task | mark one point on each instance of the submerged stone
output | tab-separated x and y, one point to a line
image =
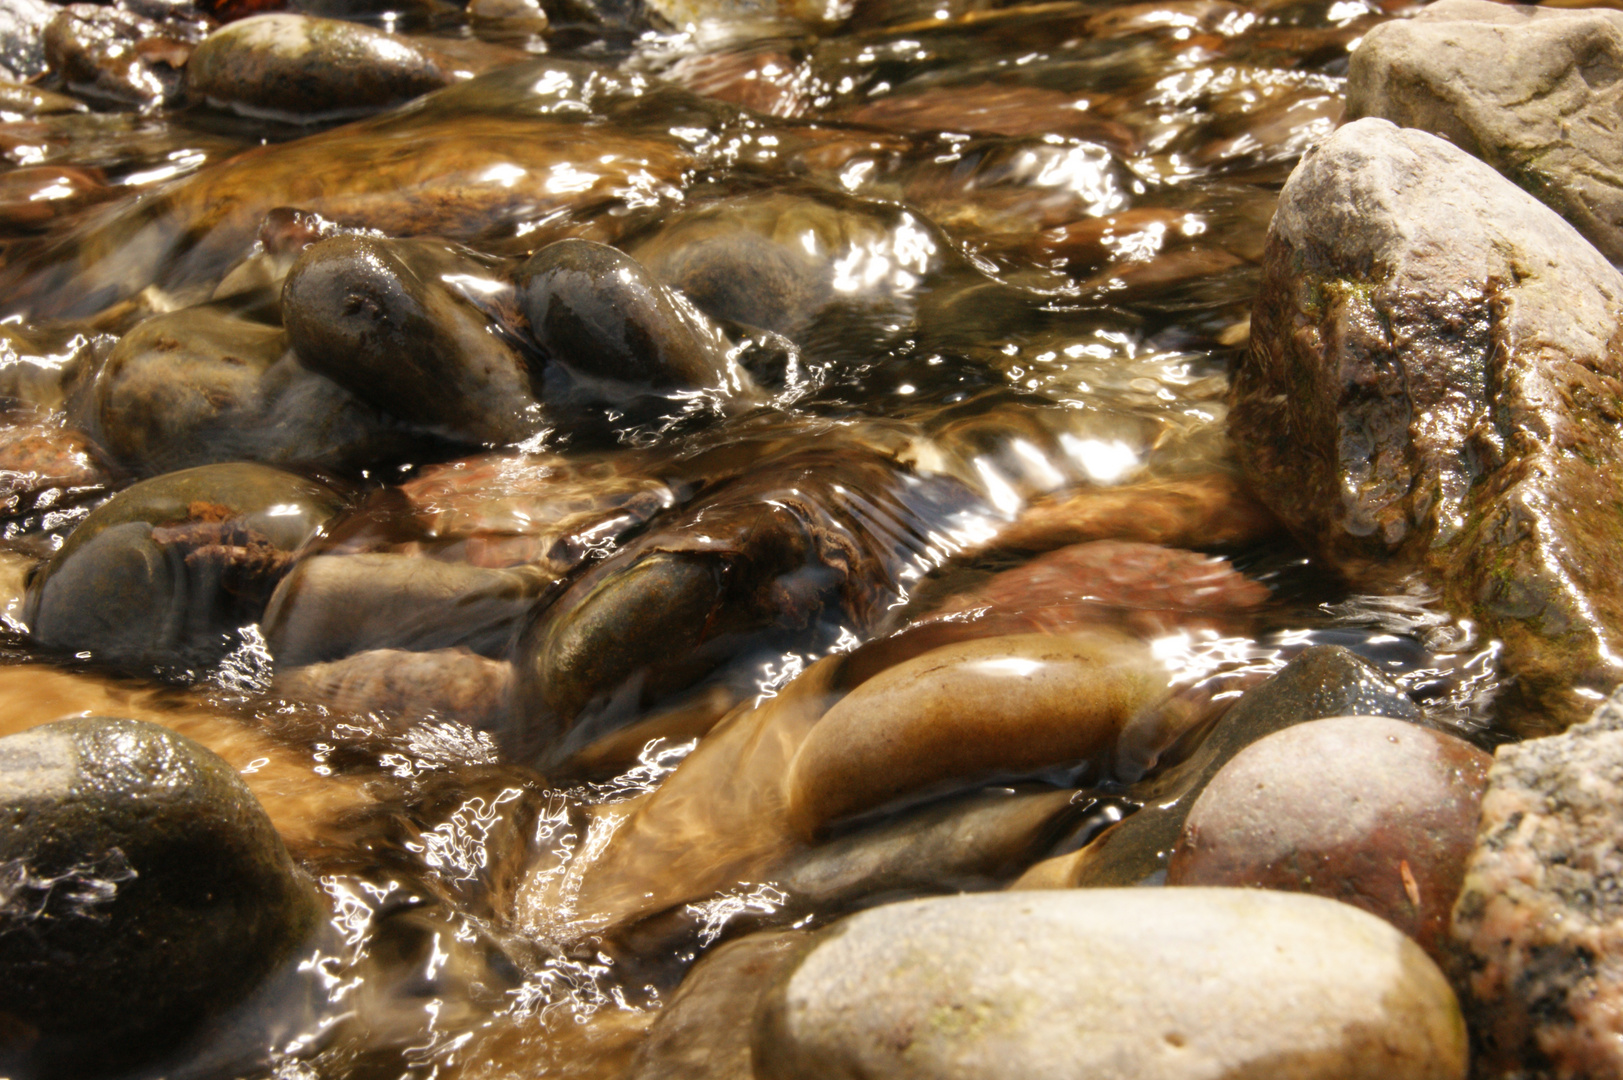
145	893
295	66
206	384
1173	984
377	317
1433	385
164	570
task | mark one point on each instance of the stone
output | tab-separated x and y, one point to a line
964	844
974	711
1323	681
457	684
598	313
1534	92
142	892
777	560
332	606
1149	984
1374	812
44	465
165	570
22	98
799	266
1537	924
285	66
118	56
378	318
22	30
703	1031
206	384
1433	386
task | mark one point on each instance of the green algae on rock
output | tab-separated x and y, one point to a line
1434	386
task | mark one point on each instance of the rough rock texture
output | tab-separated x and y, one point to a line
1148	984
1434	384
1534	92
142	890
1540	920
1377	813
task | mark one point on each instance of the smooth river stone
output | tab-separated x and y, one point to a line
1539	923
975	710
1432	389
1174	984
145	891
1325	680
287	66
406	685
1377	813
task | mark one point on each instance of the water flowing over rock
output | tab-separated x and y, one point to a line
144	891
1434	385
1534	92
1155	985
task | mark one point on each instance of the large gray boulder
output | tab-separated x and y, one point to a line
1433	387
1534	92
1142	983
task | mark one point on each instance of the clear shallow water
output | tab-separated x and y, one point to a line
1011	252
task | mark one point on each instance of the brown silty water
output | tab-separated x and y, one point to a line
542	704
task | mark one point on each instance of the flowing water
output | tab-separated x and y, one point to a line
970	265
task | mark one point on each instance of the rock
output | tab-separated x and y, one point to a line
206	384
377	317
1150	984
22	36
1531	91
145	892
118	56
21	98
1538	922
976	711
703	1032
1325	680
452	683
617	331
964	844
799	266
501	509
44	465
40	197
1377	813
1009	111
779	559
332	606
1431	387
306	69
164	570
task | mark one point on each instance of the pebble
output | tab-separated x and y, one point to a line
456	684
146	892
164	570
286	66
1377	813
1173	984
974	711
376	317
1323	681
